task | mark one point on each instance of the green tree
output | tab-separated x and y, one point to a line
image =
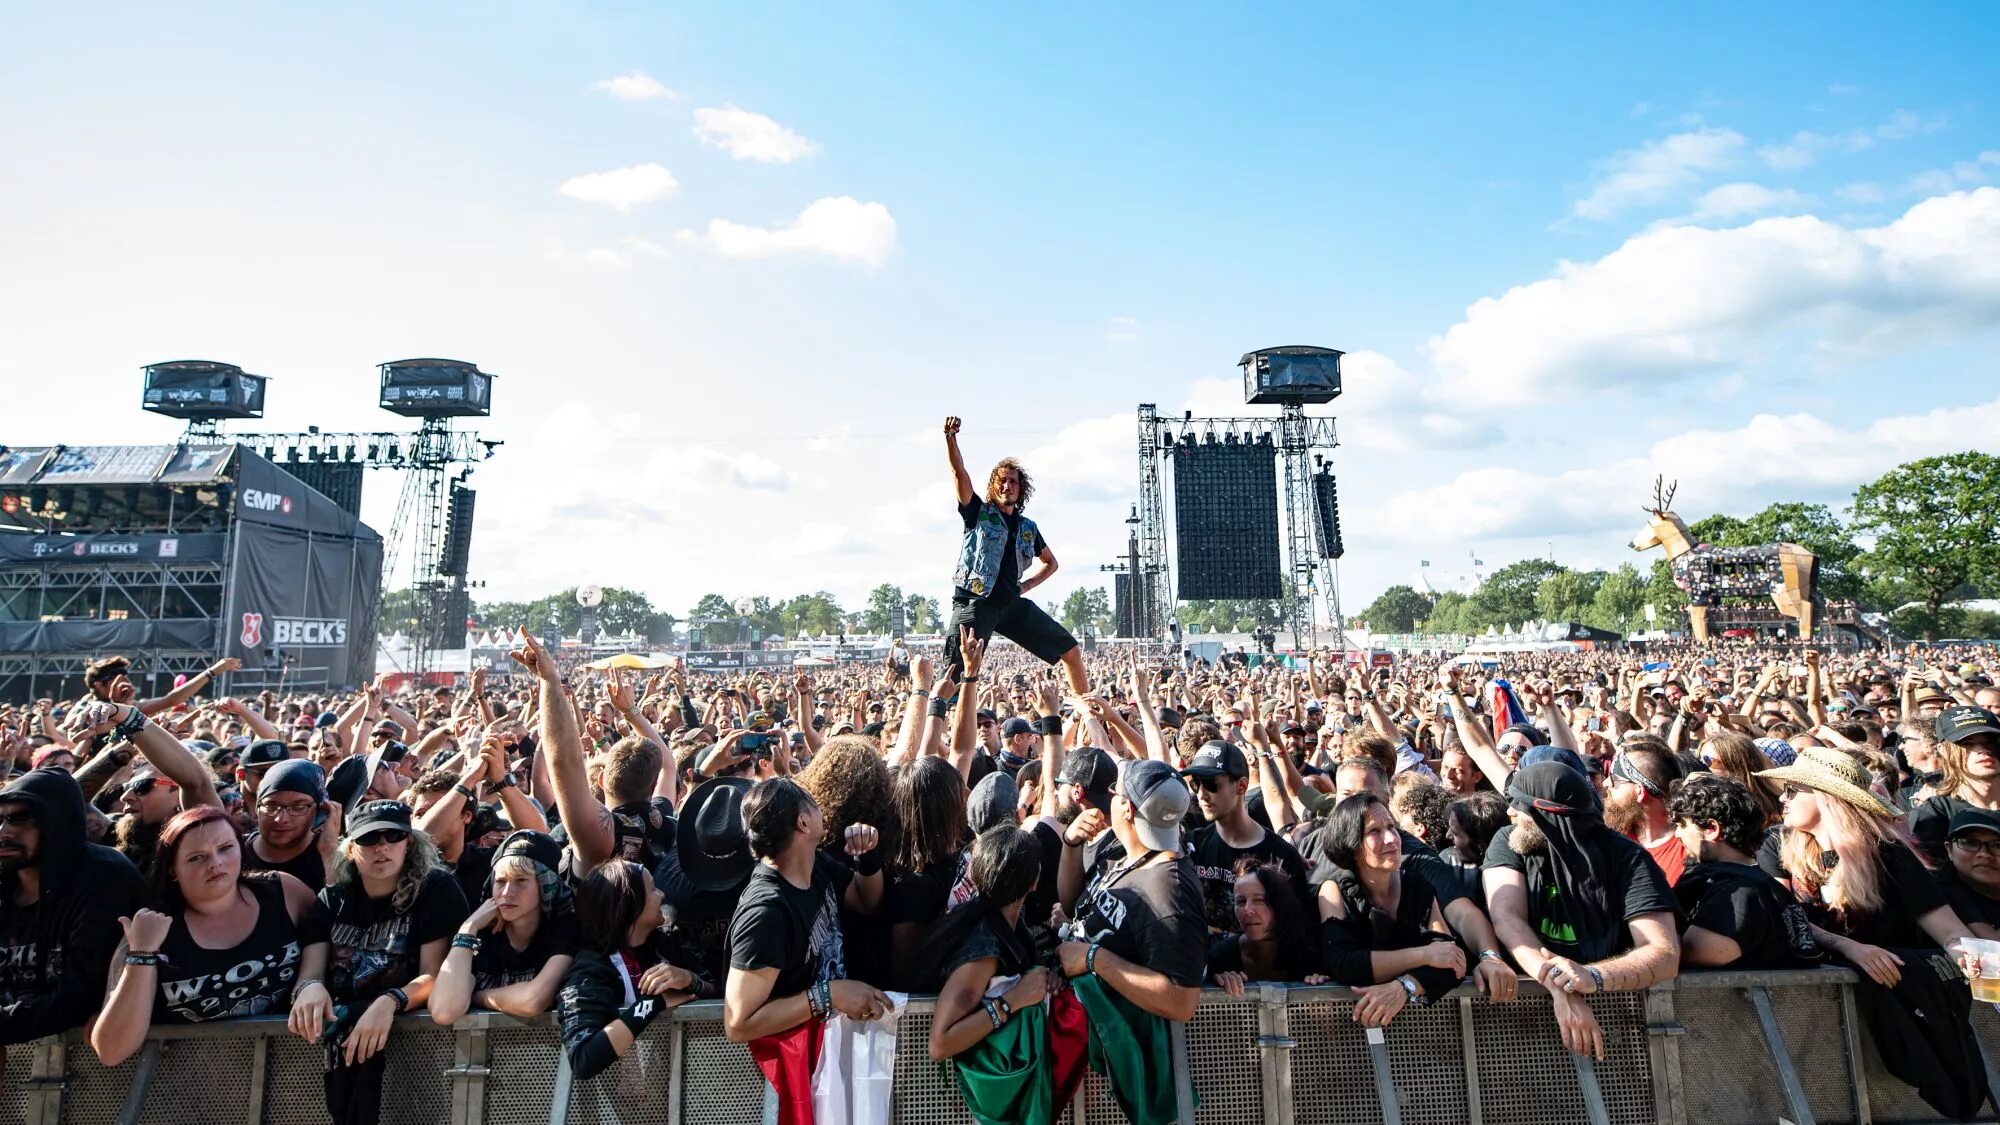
398	613
1507	597
1668	600
815	613
628	611
1564	595
1449	614
1231	615
1717	531
1398	609
1936	525
922	614
713	621
1088	608
885	607
1616	604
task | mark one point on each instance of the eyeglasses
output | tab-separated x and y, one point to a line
19	818
1990	848
298	810
382	836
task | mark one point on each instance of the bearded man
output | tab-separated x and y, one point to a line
1581	908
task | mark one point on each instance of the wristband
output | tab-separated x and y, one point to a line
1596	977
973	678
464	941
508	781
920	691
305	984
144	960
400	998
939	708
1006	1009
132	724
1492	955
637	1015
1090	959
460	789
993	1013
868	862
1049	725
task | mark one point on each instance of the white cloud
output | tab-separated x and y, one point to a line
688	467
1861	193
1675	301
838	227
1735	201
750	136
635	87
1806	147
1794	455
1657	171
622	189
816	537
1979	170
610	258
1121	328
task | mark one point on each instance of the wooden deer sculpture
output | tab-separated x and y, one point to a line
1785	572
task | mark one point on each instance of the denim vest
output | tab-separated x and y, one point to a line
980	554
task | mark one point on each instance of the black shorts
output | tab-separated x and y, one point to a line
1018	619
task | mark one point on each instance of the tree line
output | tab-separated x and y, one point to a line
1918	538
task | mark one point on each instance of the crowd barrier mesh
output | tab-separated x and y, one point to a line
1692	1052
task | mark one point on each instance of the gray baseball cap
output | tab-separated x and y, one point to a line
1159	800
992	801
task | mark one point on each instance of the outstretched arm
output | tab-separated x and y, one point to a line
194	684
585	818
960	479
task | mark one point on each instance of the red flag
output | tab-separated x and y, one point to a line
1069	1045
788	1060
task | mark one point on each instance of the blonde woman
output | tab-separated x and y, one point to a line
1847	853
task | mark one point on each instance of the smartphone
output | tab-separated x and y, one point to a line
753	743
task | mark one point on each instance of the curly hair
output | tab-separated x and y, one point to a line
418	863
1422	807
993	483
111	667
1195	734
1723	801
851	785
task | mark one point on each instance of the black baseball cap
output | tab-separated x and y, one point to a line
1093	771
1016	725
1218	759
1963	721
294	776
263	752
986	715
1969	818
373	816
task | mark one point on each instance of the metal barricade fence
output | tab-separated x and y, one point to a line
1722	1048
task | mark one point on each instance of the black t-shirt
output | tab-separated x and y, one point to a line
1967	901
1635	886
474	864
306	866
1215	865
1930	823
1042	900
252	978
923	896
1151	915
376	949
1013	952
697	926
795	931
1743	903
497	964
1347	943
1909	892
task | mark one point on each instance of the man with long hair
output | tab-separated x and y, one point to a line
996	568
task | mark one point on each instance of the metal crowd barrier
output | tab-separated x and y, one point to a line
1721	1048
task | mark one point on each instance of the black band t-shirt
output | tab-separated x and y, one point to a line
1634	885
1151	915
793	930
1215	861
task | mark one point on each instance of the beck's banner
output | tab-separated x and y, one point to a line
107	547
302	605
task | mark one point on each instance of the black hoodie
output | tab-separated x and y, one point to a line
55	952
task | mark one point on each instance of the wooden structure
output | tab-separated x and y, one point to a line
1786	573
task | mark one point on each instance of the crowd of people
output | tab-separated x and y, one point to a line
1064	847
604	849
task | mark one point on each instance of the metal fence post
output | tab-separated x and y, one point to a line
46	1082
1781	1056
1183	1075
1274	1051
1475	1114
142	1081
1663	1046
1857	1063
468	1073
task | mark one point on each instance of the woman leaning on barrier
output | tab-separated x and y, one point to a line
983	942
512	954
620	980
1273	942
1382	924
377	940
223	943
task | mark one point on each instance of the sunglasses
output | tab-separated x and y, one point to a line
1210	784
382	836
19	818
1791	791
146	785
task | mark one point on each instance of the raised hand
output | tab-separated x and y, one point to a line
145	930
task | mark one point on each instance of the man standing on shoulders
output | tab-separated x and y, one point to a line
991	583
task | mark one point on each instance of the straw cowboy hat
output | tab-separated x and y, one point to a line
1834	773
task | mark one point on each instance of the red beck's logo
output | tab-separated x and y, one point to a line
253	630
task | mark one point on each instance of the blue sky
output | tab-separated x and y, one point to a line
1568	249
